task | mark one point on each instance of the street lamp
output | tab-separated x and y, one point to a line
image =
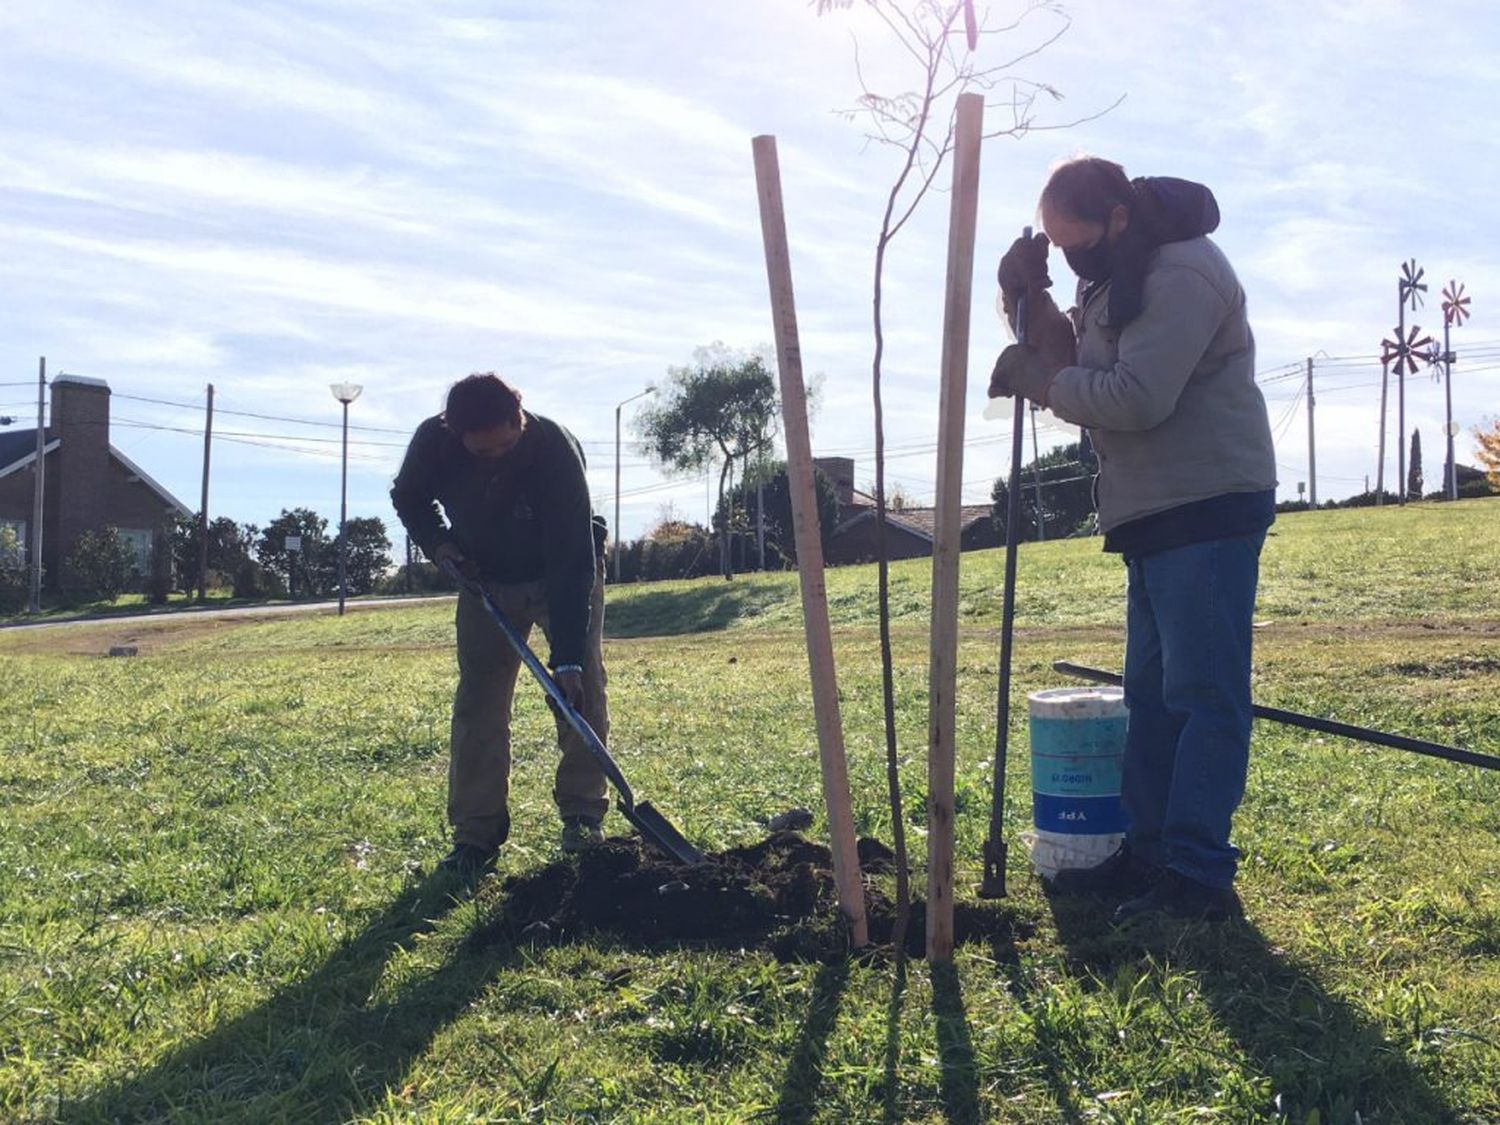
345	393
650	388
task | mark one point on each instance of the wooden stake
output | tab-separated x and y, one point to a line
806	533
942	676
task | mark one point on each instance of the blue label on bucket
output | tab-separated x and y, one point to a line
1078	816
1075	774
1078	738
1075	777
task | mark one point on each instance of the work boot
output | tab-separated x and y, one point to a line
469	862
1177	896
1122	876
579	833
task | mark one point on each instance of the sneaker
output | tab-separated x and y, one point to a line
1121	876
1177	896
468	861
580	832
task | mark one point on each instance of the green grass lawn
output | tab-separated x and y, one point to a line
214	906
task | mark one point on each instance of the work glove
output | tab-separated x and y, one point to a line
570	683
1021	370
1028	369
1023	268
448	553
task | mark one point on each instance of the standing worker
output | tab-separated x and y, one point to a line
1158	363
500	492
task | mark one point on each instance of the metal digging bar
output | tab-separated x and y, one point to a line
1322	726
651	824
993	885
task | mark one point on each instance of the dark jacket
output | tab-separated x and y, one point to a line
524	517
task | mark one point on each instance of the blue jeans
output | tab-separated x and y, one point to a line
1187	685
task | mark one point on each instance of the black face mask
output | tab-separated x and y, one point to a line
1092	263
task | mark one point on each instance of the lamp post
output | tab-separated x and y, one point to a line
345	393
615	531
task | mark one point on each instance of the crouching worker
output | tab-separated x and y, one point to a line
1161	373
500	492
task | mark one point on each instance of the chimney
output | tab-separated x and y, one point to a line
80	419
840	470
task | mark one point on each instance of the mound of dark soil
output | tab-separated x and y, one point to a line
779	893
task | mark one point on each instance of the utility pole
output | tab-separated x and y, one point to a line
760	506
345	393
1401	403
1036	476
614	532
1312	445
38	490
208	438
1385	372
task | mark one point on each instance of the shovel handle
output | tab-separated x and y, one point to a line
591	740
994	852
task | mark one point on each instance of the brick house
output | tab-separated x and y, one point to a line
89	484
908	531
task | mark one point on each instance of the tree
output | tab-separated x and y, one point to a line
369	553
1488	453
229	548
1067	475
724	406
919	126
1414	468
102	563
770	482
305	571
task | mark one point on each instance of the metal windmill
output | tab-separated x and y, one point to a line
1401	356
1409	288
1455	311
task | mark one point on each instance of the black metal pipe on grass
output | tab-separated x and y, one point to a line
1322	726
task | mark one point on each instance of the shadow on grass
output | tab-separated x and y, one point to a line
702	608
1323	1058
958	1069
893	1044
317	1049
798	1100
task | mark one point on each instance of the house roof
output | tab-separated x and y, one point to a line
926	518
16	445
917	521
18	448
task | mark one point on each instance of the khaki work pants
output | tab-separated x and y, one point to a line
479	758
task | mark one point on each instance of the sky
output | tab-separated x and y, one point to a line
272	196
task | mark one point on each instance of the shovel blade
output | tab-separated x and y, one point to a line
657	829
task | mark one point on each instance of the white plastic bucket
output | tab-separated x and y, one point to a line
1077	750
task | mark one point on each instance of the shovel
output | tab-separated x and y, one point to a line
993	884
650	823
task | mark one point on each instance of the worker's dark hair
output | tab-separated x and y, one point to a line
1088	188
481	401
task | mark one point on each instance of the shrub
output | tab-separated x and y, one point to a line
251	580
419	578
102	564
15	577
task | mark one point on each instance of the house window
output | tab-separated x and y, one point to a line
12	542
140	545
